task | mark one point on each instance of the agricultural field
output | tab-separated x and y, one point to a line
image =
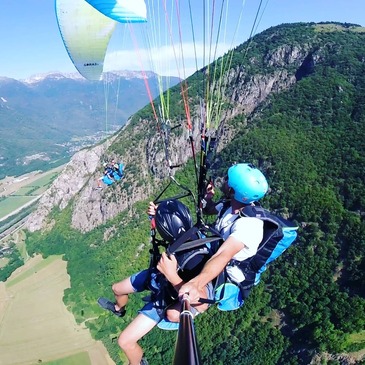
12	203
35	325
18	192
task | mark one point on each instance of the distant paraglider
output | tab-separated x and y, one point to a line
113	172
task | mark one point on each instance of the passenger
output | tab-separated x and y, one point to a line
172	220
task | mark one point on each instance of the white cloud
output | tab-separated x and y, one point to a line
165	60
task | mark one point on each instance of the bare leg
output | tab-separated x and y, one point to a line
99	182
127	340
121	291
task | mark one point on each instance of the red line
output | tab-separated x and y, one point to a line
145	78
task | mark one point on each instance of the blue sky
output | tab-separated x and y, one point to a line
31	42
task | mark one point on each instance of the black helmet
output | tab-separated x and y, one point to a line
172	219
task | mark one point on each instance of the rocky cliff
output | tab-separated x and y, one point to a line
76	177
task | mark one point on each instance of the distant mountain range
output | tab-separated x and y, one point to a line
47	117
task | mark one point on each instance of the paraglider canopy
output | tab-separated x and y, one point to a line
86	31
123	11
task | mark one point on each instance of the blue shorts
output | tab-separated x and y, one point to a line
139	281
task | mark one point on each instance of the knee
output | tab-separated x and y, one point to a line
123	287
173	315
115	289
119	289
125	343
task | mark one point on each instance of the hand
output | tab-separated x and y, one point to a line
168	266
191	290
151	211
209	193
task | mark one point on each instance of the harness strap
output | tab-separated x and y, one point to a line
186	236
187	240
196	243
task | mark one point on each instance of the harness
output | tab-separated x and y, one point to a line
192	250
278	235
197	245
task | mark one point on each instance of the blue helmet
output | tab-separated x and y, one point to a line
248	182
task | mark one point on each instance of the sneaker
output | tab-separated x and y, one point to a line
110	306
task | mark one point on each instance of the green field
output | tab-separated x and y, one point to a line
3	262
38	186
46	179
31	190
27	273
35	325
81	358
11	203
26	193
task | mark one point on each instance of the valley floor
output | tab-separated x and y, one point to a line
35	325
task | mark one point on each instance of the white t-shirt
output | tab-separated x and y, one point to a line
248	230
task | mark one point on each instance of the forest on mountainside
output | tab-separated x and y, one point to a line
308	140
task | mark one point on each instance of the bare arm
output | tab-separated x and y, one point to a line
168	267
212	268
